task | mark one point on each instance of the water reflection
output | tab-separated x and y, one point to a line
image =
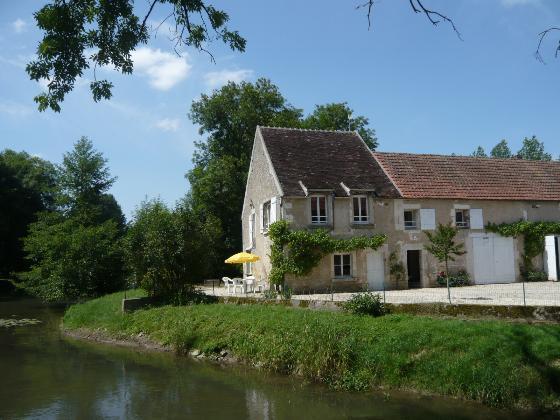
45	375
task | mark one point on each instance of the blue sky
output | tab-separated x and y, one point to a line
422	88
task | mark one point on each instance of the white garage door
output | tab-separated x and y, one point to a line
493	259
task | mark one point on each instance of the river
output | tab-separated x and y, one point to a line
48	376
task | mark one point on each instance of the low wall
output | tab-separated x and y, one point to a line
132	304
527	313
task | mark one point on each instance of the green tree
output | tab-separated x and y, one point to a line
501	150
74	250
479	152
27	185
444	248
338	116
533	149
229	117
72	261
169	250
83	181
78	34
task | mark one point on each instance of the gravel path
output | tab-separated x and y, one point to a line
536	293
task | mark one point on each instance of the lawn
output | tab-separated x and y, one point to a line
499	363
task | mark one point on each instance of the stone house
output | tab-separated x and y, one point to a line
330	179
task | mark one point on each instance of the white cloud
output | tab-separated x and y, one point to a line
163	69
512	3
14	109
19	26
168	124
216	79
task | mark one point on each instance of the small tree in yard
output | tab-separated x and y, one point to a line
443	247
168	250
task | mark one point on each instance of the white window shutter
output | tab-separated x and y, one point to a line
261	215
477	221
251	244
427	219
272	210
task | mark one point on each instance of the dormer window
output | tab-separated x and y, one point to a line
360	209
318	210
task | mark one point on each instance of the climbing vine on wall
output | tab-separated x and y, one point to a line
298	252
532	232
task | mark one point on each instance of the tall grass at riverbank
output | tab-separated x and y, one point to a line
498	363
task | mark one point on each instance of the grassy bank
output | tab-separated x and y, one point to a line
498	363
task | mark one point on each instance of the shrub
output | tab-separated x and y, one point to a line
270	294
536	276
286	293
366	303
458	279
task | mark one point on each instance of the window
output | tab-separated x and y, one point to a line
462	218
342	265
252	229
360	205
319	210
249	269
410	219
266	216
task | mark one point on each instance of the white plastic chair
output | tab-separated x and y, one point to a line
258	285
228	283
237	282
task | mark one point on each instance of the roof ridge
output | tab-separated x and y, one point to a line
308	129
489	158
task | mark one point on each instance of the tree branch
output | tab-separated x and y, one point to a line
542	36
433	16
148	15
419	8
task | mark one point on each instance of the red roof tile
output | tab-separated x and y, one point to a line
459	177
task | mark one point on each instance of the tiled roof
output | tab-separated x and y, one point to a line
321	160
434	176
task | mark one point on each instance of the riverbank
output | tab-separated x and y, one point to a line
497	363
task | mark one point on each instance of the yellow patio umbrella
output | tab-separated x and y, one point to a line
242	257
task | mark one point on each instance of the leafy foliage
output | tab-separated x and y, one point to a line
479	152
298	252
501	150
72	261
442	245
169	250
396	268
366	303
79	34
74	250
533	149
461	278
533	235
27	186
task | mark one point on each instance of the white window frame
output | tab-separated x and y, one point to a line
464	224
249	269
360	218
266	206
341	265
416	213
314	201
